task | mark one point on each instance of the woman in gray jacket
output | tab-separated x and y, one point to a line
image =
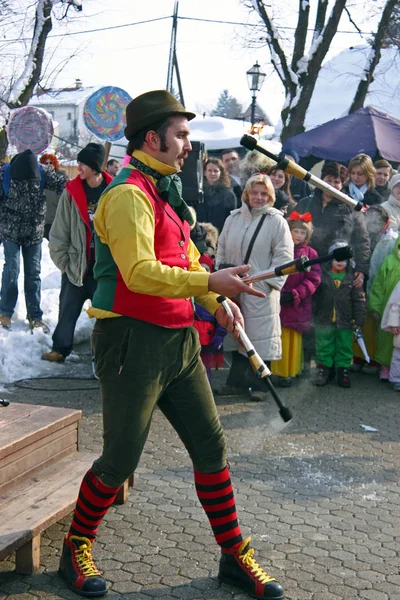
272	247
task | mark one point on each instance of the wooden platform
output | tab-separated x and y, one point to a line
32	437
41	500
40	474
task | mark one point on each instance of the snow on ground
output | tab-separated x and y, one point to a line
20	350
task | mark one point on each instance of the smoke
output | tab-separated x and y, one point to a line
264	424
255	162
375	220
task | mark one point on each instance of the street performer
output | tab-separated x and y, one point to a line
147	353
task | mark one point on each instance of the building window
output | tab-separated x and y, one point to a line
69	116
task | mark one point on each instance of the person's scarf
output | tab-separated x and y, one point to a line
357	193
170	189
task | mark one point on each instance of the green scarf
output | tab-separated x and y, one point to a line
170	189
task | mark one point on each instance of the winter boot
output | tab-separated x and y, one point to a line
77	568
53	356
38	324
5	322
342	377
323	376
237	567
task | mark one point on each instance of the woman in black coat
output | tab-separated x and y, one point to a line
361	182
219	199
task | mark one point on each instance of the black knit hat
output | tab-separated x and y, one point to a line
24	167
150	108
92	155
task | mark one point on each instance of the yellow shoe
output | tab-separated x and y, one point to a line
238	568
53	356
5	322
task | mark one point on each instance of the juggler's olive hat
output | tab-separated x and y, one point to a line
151	107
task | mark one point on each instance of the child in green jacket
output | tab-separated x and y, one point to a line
385	281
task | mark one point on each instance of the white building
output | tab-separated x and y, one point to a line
66	108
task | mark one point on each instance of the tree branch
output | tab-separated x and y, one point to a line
322	44
23	88
283	70
353	22
300	34
320	18
374	57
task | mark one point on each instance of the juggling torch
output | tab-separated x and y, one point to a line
258	365
294	169
300	265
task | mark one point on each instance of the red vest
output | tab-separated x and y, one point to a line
171	241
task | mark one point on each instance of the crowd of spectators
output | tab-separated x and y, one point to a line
252	212
319	315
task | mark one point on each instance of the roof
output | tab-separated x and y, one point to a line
65	96
260	114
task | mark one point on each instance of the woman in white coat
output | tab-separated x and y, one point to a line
392	206
272	247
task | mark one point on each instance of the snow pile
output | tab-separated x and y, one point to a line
20	351
218	133
338	80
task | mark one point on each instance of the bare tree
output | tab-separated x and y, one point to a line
21	89
298	68
29	31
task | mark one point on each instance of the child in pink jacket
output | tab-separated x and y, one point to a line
296	303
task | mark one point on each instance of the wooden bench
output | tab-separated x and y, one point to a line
40	474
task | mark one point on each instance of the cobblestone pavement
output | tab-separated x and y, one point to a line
319	497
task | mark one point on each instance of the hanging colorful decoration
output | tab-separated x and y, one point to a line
30	128
104	113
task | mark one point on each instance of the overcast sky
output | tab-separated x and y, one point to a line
211	56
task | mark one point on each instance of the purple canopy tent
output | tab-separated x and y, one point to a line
367	130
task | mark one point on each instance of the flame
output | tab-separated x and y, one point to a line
256	129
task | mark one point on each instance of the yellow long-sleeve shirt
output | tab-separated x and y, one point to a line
124	220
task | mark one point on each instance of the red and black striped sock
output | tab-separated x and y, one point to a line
215	493
93	502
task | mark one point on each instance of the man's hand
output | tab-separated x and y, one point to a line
228	283
226	321
358	279
376	316
395	330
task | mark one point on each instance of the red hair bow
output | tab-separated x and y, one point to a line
295	216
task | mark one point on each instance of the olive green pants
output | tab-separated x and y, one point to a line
141	366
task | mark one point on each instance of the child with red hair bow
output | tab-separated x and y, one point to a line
296	303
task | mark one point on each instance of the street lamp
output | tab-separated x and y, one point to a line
255	79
